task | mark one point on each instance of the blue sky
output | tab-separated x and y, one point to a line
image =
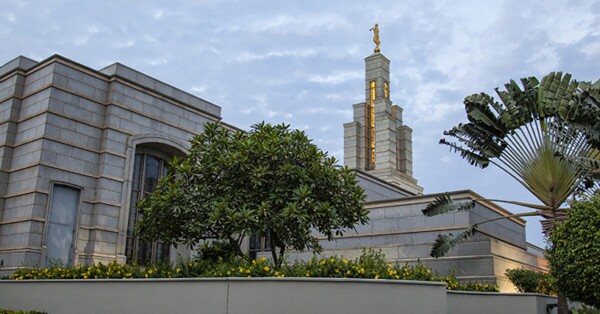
302	62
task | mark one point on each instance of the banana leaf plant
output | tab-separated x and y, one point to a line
545	135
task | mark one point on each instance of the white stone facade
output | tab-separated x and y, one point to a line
64	124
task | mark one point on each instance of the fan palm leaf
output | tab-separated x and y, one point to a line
544	134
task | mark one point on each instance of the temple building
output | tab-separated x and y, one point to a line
79	147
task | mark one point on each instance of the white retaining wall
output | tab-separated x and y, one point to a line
225	295
259	296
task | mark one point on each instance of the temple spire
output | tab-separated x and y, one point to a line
377	141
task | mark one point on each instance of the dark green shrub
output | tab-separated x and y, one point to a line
527	280
20	312
216	251
574	253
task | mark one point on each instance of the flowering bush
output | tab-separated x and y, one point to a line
370	265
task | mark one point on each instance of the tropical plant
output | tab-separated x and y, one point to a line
271	181
574	253
544	134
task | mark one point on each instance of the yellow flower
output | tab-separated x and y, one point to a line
267	268
376	276
178	270
228	273
345	261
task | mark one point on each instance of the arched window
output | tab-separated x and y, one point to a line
149	166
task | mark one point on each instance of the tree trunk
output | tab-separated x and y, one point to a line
563	306
273	247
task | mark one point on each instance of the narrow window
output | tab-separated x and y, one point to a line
147	170
386	90
371	118
62	225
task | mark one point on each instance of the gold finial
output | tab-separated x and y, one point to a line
376	38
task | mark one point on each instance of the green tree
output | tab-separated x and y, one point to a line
527	280
271	181
574	253
544	134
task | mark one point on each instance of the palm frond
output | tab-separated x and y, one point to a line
444	203
477	139
471	157
444	243
479	113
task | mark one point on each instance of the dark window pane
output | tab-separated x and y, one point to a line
144	252
254	242
162	251
267	245
151	175
137	171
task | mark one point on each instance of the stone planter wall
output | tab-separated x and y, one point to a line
225	295
465	302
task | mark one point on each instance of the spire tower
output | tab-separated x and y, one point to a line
377	141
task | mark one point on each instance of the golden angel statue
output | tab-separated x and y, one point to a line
376	38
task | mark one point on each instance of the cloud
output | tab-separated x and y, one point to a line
125	44
157	61
90	31
161	14
336	77
250	56
199	88
9	17
262	109
292	24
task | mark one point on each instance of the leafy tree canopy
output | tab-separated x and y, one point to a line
574	253
270	181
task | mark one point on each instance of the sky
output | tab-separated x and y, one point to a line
302	62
